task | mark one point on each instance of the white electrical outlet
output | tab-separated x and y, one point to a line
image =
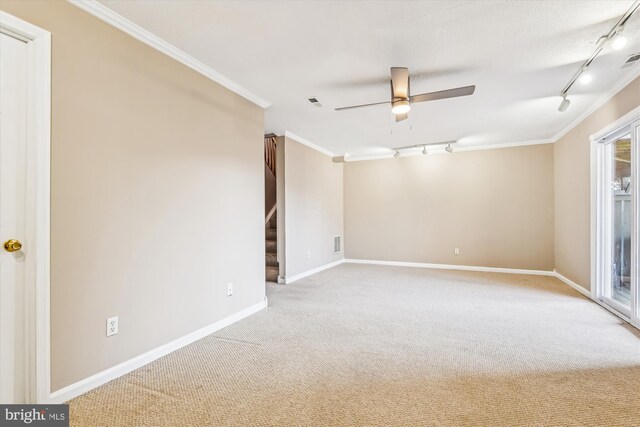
456	251
229	289
112	326
309	253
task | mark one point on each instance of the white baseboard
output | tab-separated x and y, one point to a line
573	284
307	273
451	267
76	389
589	295
553	273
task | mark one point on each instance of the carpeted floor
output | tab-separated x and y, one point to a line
363	345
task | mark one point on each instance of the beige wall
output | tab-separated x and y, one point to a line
313	207
157	195
496	206
572	186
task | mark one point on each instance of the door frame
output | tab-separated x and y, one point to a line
598	210
37	213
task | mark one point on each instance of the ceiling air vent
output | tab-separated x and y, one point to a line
631	60
315	102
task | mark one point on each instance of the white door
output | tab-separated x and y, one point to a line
618	221
13	139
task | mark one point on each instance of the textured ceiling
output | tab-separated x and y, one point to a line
519	54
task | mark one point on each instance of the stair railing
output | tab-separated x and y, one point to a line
270	154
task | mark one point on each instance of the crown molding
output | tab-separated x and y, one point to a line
621	84
137	32
308	143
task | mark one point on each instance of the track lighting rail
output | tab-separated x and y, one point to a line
448	148
600	44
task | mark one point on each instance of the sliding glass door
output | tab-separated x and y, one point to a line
617	221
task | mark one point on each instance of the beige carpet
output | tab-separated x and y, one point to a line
383	346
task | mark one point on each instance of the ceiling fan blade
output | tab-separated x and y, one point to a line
399	82
443	94
401	117
361	106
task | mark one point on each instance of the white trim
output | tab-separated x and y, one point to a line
38	177
137	32
308	143
270	214
625	120
593	217
583	291
308	273
588	294
635	247
83	386
451	267
573	284
621	84
598	209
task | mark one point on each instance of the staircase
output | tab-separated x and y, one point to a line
271	248
271	224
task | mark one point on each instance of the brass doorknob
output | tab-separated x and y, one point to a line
12	245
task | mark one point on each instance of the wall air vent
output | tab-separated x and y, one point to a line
315	102
631	60
337	244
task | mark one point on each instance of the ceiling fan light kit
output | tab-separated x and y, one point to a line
400	107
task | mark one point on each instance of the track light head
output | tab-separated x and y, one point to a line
585	77
564	104
424	149
619	41
449	148
396	154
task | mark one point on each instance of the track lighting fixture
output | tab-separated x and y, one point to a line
564	104
619	41
412	148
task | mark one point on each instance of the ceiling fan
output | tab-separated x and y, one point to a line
401	98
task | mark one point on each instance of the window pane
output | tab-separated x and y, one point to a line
621	224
